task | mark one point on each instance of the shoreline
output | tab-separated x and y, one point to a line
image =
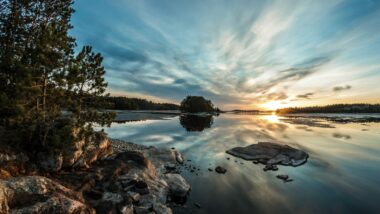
130	179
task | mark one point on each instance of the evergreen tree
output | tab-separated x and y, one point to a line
39	74
86	85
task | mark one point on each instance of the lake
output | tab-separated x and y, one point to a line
342	174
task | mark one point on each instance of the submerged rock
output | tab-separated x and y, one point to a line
270	153
285	178
270	167
220	170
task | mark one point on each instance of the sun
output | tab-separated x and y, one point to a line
272	105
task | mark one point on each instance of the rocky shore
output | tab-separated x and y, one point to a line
102	176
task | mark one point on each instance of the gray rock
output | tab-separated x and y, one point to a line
97	147
270	153
220	170
127	209
170	166
177	185
285	178
36	194
134	196
270	167
113	198
179	158
161	209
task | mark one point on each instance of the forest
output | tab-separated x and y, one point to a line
336	108
125	103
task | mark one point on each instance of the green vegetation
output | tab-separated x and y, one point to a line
337	108
194	104
40	75
124	103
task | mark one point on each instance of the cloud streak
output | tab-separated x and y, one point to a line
341	88
238	54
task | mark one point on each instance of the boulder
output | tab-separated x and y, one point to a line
36	194
97	147
178	186
271	153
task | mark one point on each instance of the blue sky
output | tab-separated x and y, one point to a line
241	53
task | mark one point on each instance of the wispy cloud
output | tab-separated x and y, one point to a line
305	96
342	88
237	53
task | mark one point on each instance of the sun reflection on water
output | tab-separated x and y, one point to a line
273	118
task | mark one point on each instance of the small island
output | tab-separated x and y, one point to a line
197	104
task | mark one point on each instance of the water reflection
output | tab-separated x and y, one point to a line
343	166
194	123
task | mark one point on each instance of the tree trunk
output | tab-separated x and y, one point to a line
44	89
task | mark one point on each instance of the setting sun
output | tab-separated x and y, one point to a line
272	105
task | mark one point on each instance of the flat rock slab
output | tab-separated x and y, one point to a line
270	153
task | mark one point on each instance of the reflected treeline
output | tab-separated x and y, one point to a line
319	121
194	123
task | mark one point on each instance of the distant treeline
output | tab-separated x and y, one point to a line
125	103
337	108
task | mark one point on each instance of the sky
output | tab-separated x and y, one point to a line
246	54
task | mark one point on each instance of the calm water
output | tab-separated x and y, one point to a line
342	174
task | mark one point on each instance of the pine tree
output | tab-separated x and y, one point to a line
39	74
86	85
